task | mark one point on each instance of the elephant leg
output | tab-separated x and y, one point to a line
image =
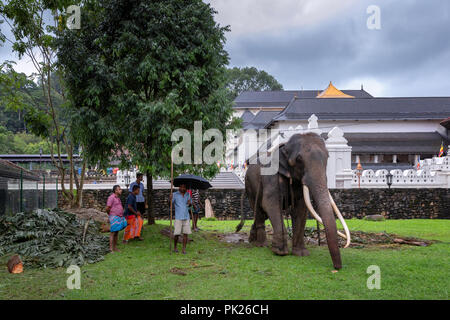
252	237
298	222
260	225
258	230
271	206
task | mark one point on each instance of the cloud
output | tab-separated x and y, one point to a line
407	57
22	65
307	43
25	64
248	17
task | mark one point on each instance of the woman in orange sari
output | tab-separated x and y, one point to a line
134	218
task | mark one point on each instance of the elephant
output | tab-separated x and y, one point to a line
302	167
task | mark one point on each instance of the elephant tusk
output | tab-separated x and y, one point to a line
309	205
313	212
341	219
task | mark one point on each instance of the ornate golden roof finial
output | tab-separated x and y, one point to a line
333	92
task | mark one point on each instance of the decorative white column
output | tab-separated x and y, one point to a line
283	136
313	125
288	133
376	158
339	168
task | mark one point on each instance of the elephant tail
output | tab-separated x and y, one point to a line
256	202
241	224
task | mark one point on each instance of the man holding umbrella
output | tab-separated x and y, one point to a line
181	200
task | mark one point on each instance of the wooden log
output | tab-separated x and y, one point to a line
412	243
15	265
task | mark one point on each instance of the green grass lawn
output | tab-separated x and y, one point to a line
217	270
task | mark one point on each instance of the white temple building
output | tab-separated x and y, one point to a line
390	133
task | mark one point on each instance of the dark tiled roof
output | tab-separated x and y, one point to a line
360	94
262	105
446	123
247	117
261	119
280	99
264	99
395	143
367	109
13	171
266	96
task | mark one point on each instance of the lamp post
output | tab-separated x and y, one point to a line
40	158
359	170
389	177
127	179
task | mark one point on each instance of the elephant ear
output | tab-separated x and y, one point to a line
284	168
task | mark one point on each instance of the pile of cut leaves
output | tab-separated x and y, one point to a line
52	238
361	239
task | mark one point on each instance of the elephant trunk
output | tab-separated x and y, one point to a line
321	197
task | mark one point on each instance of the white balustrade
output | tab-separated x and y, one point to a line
433	173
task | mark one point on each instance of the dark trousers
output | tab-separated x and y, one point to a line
141	208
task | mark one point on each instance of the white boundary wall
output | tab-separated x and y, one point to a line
433	173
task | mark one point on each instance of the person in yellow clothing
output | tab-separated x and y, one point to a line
134	218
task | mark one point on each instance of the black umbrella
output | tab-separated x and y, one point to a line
192	182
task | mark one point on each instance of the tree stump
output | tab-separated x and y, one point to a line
15	265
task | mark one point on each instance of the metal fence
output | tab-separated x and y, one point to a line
23	194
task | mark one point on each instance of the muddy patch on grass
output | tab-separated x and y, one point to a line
233	237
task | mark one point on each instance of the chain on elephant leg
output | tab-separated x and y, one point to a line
298	239
258	235
300	251
253	235
298	245
279	245
261	236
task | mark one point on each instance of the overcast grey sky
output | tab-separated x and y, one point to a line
307	43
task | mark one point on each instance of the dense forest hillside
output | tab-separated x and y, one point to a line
15	137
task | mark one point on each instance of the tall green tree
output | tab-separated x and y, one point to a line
137	70
21	143
33	24
12	86
250	79
6	140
